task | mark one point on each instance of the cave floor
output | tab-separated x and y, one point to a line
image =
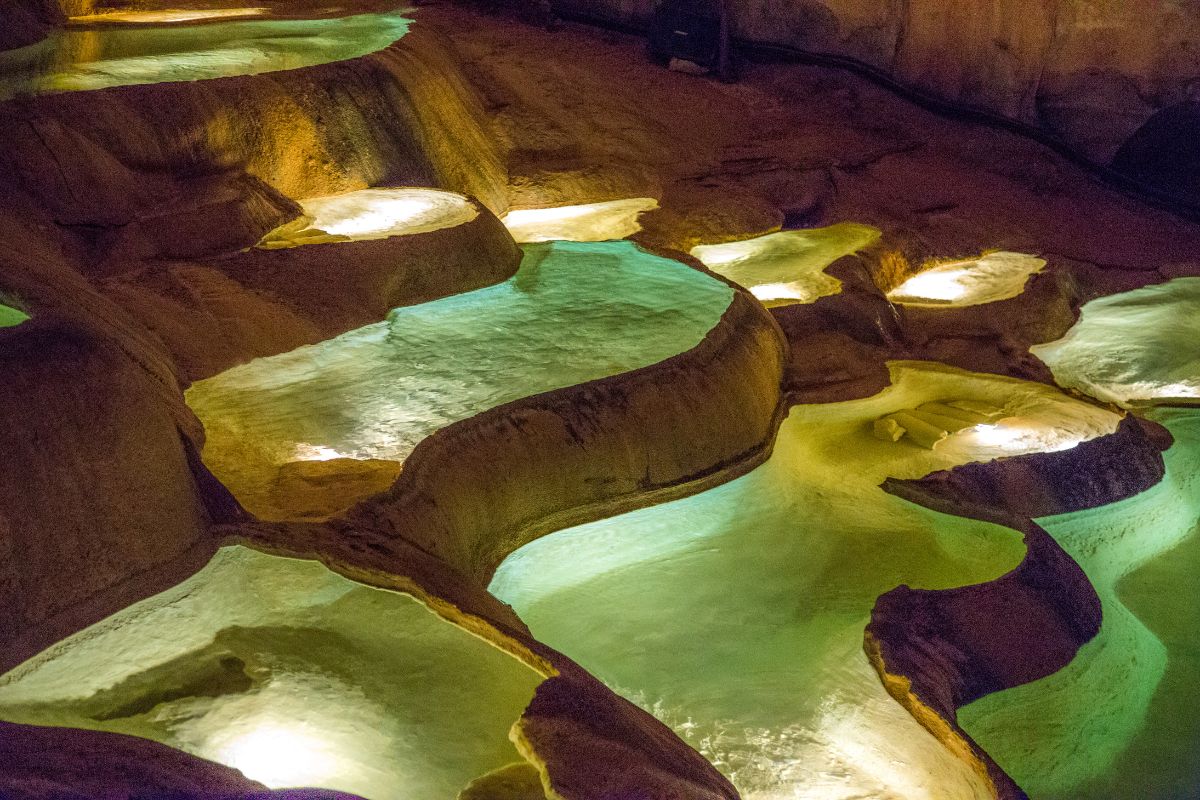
736	614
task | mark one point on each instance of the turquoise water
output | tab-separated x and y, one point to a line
737	615
574	312
74	59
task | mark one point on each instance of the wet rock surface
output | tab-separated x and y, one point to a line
128	214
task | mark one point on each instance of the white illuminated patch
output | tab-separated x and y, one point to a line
987	279
168	16
787	266
280	756
590	222
317	452
372	214
1133	349
769	292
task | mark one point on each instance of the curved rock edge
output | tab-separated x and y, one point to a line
924	643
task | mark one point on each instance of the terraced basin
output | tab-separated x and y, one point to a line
737	615
78	58
293	675
572	313
788	266
1134	349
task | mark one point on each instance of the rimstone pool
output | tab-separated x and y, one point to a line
573	313
737	615
452	402
81	58
292	674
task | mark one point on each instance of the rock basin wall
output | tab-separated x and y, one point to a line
1088	71
23	22
218	313
477	490
939	650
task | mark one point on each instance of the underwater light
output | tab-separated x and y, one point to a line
768	292
589	222
970	282
378	215
280	756
317	452
372	214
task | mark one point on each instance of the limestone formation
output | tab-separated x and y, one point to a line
421	403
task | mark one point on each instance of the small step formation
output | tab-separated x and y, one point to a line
369	214
930	423
976	281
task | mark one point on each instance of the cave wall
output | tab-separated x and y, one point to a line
1088	71
23	22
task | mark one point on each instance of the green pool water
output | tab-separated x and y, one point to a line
11	317
574	312
292	674
75	59
1136	348
788	266
1123	719
737	615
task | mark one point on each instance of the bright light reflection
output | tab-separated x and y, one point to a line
169	16
590	222
787	266
372	214
280	756
768	292
991	277
317	452
1135	348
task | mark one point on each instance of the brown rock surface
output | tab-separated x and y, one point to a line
515	782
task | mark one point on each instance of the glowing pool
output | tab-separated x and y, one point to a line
1122	720
972	282
11	317
292	674
1136	348
372	214
737	615
788	266
78	59
591	222
169	16
572	313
